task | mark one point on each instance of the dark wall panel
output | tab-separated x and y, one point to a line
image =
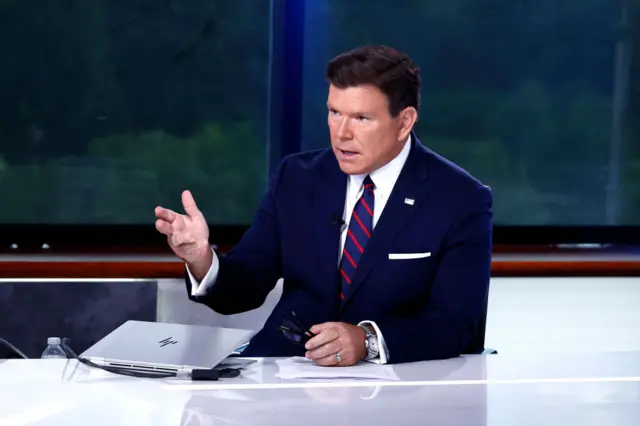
31	311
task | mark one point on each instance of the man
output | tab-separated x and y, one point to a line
384	246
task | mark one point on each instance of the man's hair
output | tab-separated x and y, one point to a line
390	70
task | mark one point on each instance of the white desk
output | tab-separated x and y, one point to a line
561	389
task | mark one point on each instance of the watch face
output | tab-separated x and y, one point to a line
372	344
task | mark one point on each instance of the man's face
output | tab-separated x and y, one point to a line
364	135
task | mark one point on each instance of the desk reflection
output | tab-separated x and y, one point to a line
399	403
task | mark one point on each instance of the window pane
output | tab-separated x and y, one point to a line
534	97
111	107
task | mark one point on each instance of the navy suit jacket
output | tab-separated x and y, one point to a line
426	308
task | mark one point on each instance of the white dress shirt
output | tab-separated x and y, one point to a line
384	179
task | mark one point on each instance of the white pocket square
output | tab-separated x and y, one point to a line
396	256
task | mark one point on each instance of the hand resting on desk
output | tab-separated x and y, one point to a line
336	338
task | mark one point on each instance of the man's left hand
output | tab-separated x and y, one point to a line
333	338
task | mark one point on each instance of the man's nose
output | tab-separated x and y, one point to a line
344	129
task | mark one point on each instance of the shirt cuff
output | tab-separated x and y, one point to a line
383	353
200	289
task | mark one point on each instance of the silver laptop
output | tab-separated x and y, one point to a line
166	348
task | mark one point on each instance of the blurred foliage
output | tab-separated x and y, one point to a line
520	94
124	177
110	108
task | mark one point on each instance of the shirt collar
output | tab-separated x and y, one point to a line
385	177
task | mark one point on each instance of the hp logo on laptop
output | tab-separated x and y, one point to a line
167	341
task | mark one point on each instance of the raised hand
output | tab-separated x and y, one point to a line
187	234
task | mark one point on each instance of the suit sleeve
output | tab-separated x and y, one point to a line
250	270
449	320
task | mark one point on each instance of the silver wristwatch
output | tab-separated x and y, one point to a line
370	342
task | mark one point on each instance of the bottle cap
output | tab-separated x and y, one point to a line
53	341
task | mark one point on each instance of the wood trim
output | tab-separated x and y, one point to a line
565	268
91	269
163	266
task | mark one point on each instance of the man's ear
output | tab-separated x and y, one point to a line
408	118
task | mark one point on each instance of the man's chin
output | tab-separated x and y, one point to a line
352	169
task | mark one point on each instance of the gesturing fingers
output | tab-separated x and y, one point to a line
189	204
166	214
178	239
176	225
164	227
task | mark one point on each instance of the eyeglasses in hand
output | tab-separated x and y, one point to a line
295	331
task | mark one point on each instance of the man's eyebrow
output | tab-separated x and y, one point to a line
355	113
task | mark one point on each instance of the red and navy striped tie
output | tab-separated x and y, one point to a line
358	235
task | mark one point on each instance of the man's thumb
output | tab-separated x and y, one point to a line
189	204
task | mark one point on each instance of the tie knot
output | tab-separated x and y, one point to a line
368	183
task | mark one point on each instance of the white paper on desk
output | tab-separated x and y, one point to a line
303	368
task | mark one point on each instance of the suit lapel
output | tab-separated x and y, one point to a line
411	184
329	193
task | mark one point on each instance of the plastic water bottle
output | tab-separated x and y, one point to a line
54	349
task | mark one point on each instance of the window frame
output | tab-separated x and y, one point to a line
285	102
